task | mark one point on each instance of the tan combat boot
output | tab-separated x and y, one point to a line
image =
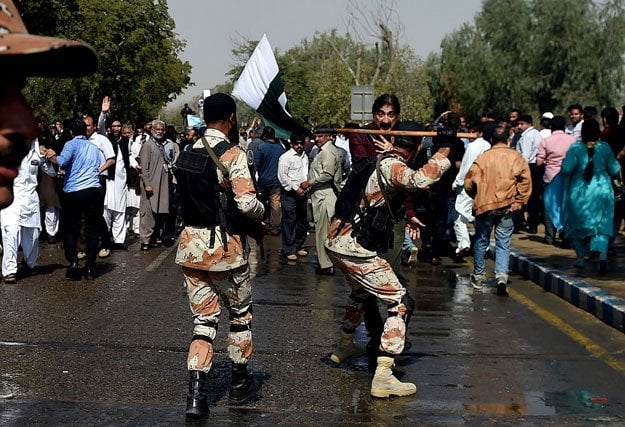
385	384
347	348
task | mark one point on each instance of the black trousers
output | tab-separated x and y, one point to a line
294	221
535	207
77	205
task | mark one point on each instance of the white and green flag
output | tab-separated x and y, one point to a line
261	88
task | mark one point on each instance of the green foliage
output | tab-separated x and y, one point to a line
535	55
138	51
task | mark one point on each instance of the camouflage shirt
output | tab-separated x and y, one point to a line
194	249
396	177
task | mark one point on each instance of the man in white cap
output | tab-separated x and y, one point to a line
545	124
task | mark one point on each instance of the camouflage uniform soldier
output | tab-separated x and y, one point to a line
355	245
217	198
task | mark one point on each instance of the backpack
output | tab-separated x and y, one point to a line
374	230
348	201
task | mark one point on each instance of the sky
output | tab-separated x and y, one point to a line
212	28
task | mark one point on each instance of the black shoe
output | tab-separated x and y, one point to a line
168	242
52	240
26	271
532	230
73	271
197	406
119	246
603	267
89	273
145	246
244	385
329	271
502	288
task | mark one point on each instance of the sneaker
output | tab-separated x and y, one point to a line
502	287
412	259
10	279
291	257
104	252
302	252
477	281
81	255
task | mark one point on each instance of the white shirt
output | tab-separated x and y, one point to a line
25	209
292	169
528	144
105	147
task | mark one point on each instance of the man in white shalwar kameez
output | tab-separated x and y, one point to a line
464	203
115	202
21	221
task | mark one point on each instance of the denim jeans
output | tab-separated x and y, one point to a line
504	226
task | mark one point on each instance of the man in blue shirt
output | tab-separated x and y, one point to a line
80	159
266	159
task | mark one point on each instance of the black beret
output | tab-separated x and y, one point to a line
219	107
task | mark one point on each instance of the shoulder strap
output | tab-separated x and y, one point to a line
213	156
384	194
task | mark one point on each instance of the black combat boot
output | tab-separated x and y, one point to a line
243	386
196	399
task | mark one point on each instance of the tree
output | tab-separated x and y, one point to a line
535	55
137	48
318	74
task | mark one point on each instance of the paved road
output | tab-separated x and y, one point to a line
112	351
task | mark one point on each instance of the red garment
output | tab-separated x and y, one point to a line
361	146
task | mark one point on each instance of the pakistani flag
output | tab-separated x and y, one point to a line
261	88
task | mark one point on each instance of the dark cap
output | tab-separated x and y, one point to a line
408	141
27	55
324	129
219	106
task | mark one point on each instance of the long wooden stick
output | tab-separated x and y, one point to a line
400	132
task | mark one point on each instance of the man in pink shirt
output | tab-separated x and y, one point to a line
551	152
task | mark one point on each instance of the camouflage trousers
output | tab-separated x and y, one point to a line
374	276
204	288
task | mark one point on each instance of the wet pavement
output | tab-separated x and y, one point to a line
113	351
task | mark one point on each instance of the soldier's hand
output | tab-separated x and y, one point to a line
444	151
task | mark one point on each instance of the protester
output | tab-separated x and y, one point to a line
499	182
156	157
292	171
21	222
589	201
81	160
551	152
212	251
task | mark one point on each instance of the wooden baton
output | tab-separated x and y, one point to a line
400	132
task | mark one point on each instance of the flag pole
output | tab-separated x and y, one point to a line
400	132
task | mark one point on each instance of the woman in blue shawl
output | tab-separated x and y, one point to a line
588	197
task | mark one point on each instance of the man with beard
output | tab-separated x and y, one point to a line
116	196
156	157
219	205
